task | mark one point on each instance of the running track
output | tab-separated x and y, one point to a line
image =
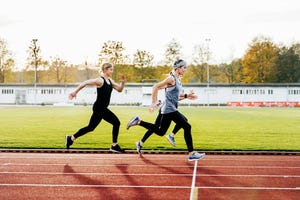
152	176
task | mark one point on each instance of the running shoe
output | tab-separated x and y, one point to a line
171	139
196	156
133	122
116	149
138	147
69	141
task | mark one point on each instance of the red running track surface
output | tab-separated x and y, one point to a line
152	176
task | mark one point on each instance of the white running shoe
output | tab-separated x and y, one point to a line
171	140
133	122
196	156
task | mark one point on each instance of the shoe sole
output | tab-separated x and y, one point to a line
174	145
196	158
115	151
128	125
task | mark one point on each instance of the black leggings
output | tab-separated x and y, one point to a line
96	118
157	123
162	123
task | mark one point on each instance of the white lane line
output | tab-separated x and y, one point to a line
93	186
95	165
161	166
90	173
248	188
193	181
153	158
147	186
138	174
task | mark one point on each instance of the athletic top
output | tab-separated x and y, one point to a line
103	96
172	95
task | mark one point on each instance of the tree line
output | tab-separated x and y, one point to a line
263	62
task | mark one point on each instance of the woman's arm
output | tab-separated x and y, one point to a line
119	87
158	86
98	82
191	96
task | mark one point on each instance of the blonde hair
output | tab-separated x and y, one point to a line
106	66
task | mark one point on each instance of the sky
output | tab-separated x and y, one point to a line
75	30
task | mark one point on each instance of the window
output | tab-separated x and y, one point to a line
294	92
7	91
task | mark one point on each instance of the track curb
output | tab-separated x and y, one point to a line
88	151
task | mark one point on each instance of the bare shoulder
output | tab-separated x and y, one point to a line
98	81
165	83
170	80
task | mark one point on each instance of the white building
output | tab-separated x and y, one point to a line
140	94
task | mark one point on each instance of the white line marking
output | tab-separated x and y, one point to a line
154	166
99	165
90	173
137	174
193	180
152	156
146	186
247	188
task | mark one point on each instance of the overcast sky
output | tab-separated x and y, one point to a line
76	29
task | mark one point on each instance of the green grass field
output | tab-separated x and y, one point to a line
212	128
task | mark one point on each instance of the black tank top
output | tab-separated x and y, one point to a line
103	96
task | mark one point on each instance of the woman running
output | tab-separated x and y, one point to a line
169	112
105	85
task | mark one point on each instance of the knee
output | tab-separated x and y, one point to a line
187	127
117	123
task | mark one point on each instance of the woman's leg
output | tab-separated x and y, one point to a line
149	132
181	121
177	127
160	129
111	118
94	121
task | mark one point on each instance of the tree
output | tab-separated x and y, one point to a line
59	68
259	62
112	51
232	72
142	59
198	70
172	52
288	64
35	63
6	61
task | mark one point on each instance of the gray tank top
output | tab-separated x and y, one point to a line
172	95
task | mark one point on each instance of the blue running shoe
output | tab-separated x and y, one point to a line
196	156
133	122
171	140
138	147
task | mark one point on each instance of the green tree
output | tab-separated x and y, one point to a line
288	64
232	72
259	62
6	60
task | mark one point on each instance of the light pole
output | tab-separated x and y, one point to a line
35	50
207	67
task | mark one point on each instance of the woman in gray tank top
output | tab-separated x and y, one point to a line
169	110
